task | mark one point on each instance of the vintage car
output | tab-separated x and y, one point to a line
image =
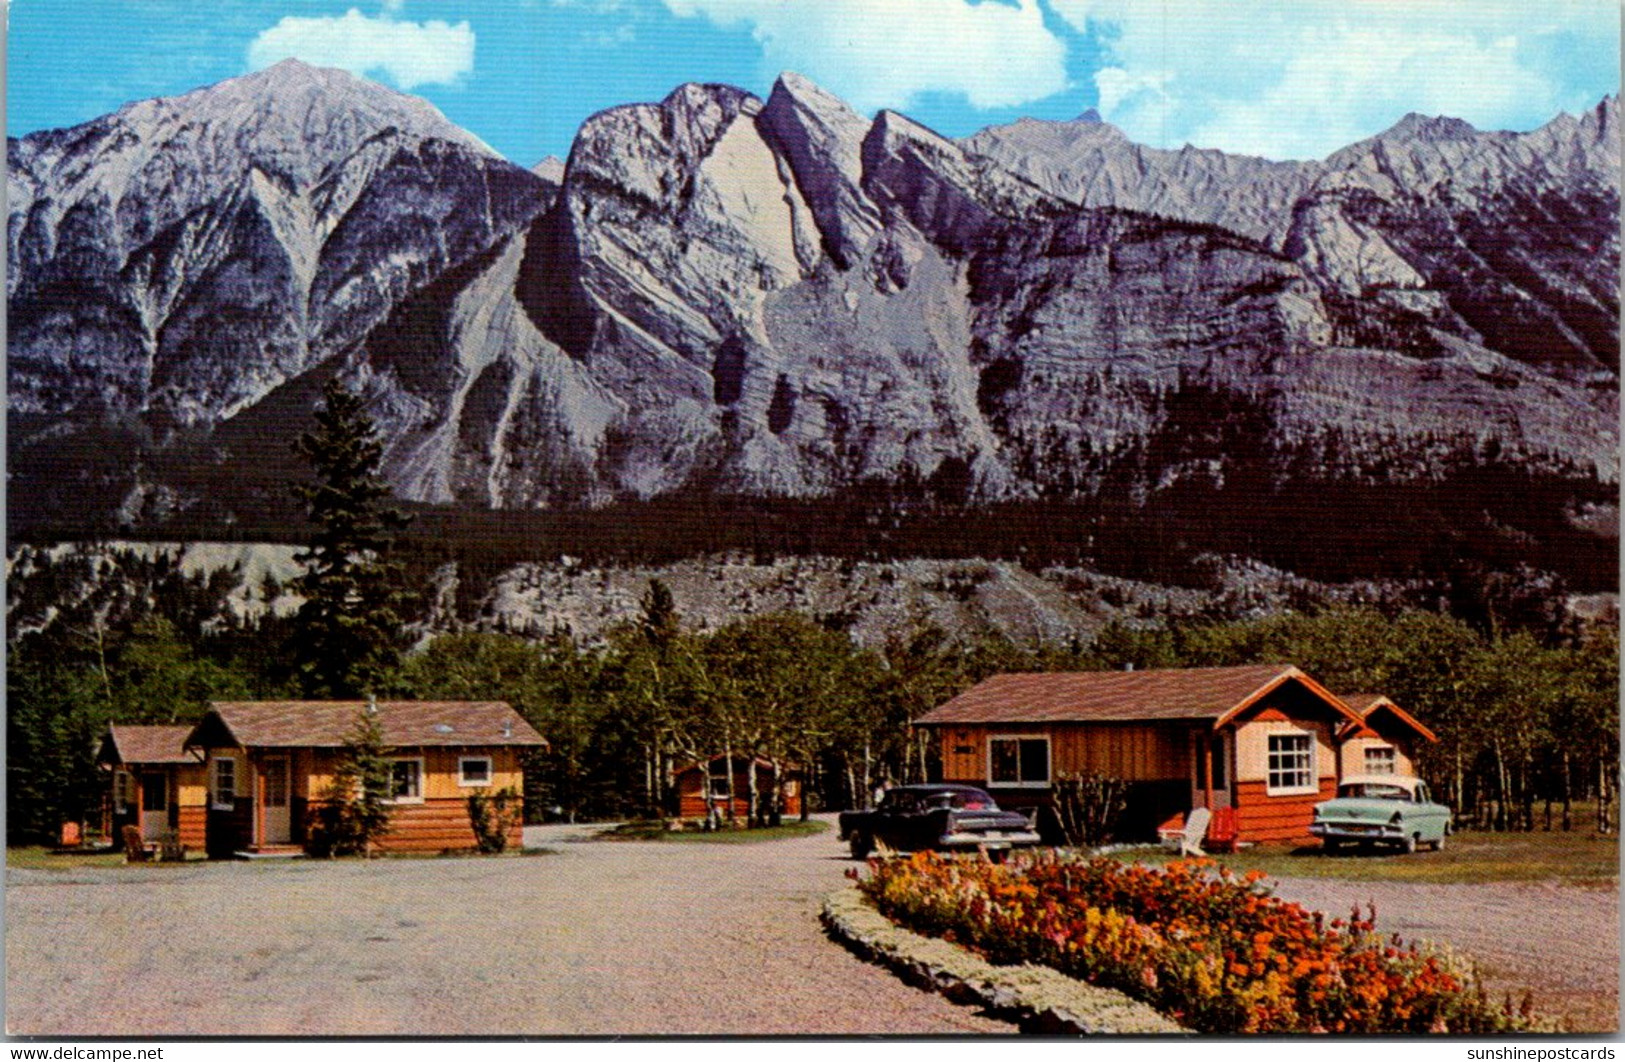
1386	809
912	818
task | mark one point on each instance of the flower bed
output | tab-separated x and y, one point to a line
1213	951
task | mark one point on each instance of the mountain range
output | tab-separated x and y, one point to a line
781	298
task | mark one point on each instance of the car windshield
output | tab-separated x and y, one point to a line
960	800
1374	790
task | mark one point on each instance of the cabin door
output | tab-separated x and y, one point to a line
278	822
1212	769
154	805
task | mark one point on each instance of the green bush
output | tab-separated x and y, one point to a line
492	817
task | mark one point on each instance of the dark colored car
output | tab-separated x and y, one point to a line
913	818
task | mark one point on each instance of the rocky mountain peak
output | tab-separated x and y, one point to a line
720	293
1430	128
550	169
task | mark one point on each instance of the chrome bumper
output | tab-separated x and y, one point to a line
1004	839
1339	831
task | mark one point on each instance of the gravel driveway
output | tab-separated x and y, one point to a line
598	939
603	939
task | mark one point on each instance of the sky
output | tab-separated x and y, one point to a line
1278	78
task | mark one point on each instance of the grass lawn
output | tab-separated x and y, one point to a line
38	857
1577	858
656	831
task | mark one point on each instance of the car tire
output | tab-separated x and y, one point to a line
1410	843
1331	846
860	844
1438	846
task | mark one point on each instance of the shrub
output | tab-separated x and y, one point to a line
492	818
1089	806
1213	951
353	813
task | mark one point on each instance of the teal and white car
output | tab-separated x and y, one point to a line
1386	809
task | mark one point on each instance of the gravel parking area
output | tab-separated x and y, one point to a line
598	939
1560	942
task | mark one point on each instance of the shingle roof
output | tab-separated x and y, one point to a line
1114	696
1366	703
1361	702
147	744
317	724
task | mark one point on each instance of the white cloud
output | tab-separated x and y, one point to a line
1300	78
408	53
885	54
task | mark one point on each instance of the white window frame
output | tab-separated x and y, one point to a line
221	799
1049	763
1390	766
422	774
1270	770
462	772
122	789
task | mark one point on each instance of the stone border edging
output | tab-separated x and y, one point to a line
1038	999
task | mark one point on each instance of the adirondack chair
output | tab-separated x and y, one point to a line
1190	844
135	849
1223	831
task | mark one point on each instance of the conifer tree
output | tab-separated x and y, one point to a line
348	633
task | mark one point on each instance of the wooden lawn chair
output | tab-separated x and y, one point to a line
135	849
1190	843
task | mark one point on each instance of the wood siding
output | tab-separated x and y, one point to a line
691	803
1133	752
313	771
1353	756
187	802
1264	819
191	823
435	825
1252	746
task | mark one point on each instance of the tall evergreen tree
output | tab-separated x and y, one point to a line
348	633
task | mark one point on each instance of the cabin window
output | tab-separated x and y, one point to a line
121	790
154	792
1380	759
224	796
1291	763
406	782
720	786
474	770
1018	761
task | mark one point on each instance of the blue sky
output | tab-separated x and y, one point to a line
1281	78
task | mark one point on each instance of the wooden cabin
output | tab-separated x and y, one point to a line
271	764
154	784
1386	740
1262	739
705	784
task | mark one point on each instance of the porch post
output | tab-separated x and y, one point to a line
1207	770
259	806
140	804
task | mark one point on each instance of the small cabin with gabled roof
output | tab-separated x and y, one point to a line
1386	740
1261	739
722	784
271	764
154	784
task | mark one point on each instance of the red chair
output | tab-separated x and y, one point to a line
1223	831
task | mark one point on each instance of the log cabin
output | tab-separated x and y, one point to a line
1386	740
154	784
705	784
1262	740
271	765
